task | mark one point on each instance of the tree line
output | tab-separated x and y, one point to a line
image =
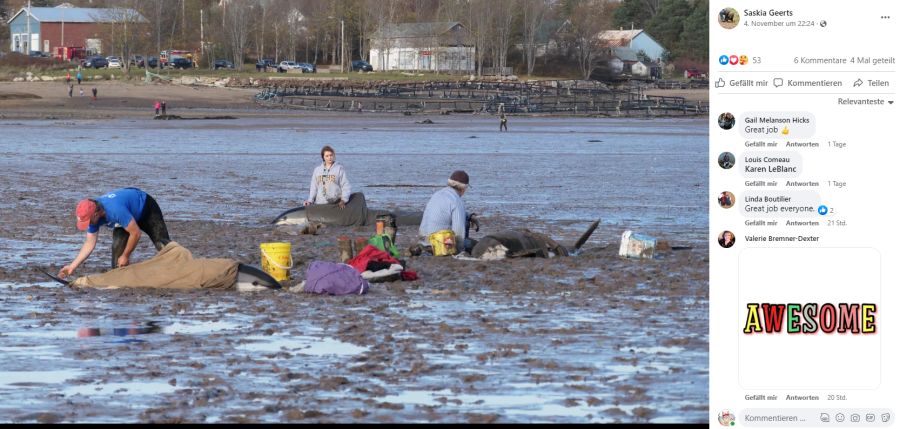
507	33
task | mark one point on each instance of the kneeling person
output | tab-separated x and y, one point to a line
128	211
446	210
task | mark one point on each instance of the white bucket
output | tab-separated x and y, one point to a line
637	245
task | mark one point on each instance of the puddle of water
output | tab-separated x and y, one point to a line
131	388
656	350
198	328
303	345
17	253
31	351
21	379
39	333
23	285
536	405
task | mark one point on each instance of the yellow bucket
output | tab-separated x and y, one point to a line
277	260
443	242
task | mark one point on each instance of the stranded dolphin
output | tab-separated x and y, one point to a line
175	268
519	243
354	213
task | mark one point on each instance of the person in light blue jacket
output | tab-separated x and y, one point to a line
447	210
329	184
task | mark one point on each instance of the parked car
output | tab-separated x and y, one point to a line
265	63
181	63
95	62
136	61
360	65
307	67
223	64
113	62
286	66
38	54
152	62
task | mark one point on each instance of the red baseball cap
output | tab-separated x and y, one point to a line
84	211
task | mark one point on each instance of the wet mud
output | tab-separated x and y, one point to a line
588	338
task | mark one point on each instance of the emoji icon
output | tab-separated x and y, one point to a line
839	417
733	59
723	60
785	131
744	59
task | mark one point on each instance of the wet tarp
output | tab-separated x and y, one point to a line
519	243
172	268
356	213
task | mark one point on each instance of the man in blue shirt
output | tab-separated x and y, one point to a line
128	211
446	210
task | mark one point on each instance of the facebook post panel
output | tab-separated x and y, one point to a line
804	262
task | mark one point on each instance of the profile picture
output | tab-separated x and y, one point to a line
726	200
726	121
729	18
726	160
726	418
726	239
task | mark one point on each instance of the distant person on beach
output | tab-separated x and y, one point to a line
78	77
128	211
156	106
94	91
329	184
81	92
503	122
163	106
71	88
68	78
447	210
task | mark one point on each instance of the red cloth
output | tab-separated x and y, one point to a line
370	253
409	275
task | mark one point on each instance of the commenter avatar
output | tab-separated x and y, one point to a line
726	160
726	239
726	121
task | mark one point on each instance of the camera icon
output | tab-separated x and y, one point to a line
854	418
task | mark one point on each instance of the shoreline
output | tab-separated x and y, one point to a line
121	99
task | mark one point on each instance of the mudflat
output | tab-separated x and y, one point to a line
588	338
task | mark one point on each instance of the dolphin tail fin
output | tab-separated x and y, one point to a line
584	237
57	279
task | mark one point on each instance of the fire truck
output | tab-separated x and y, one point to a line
165	57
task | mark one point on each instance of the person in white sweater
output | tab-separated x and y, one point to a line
329	184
